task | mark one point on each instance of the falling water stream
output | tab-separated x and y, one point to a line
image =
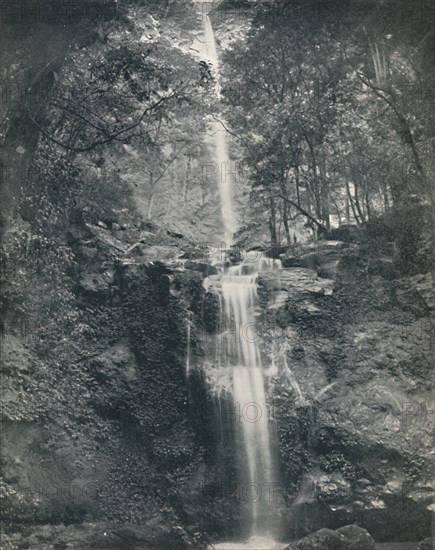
240	357
219	140
240	354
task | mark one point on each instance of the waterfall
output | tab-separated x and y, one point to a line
239	359
242	357
189	332
220	146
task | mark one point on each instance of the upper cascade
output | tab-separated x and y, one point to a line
222	168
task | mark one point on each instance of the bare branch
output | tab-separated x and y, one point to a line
110	137
302	211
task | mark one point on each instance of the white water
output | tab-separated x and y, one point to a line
240	357
240	353
189	331
253	543
222	168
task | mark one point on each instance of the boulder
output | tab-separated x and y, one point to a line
105	238
357	538
426	544
194	253
311	258
324	539
350	537
322	256
154	253
78	233
308	260
296	281
147	237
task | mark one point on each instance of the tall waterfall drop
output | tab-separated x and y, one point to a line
219	139
240	361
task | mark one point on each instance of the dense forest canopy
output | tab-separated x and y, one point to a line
331	103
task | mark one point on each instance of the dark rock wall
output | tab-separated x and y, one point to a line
356	446
108	432
114	431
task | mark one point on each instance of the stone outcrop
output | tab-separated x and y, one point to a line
152	535
322	256
357	446
88	431
349	537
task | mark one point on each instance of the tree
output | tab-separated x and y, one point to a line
290	84
322	111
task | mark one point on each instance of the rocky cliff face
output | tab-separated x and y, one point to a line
355	445
105	432
113	431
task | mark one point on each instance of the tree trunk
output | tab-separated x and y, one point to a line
357	204
386	201
318	204
324	192
314	187
349	196
368	210
337	209
151	196
309	203
285	222
272	223
188	176
298	191
409	140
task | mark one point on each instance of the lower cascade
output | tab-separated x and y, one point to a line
240	353
239	380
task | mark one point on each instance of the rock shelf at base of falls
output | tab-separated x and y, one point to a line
350	537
